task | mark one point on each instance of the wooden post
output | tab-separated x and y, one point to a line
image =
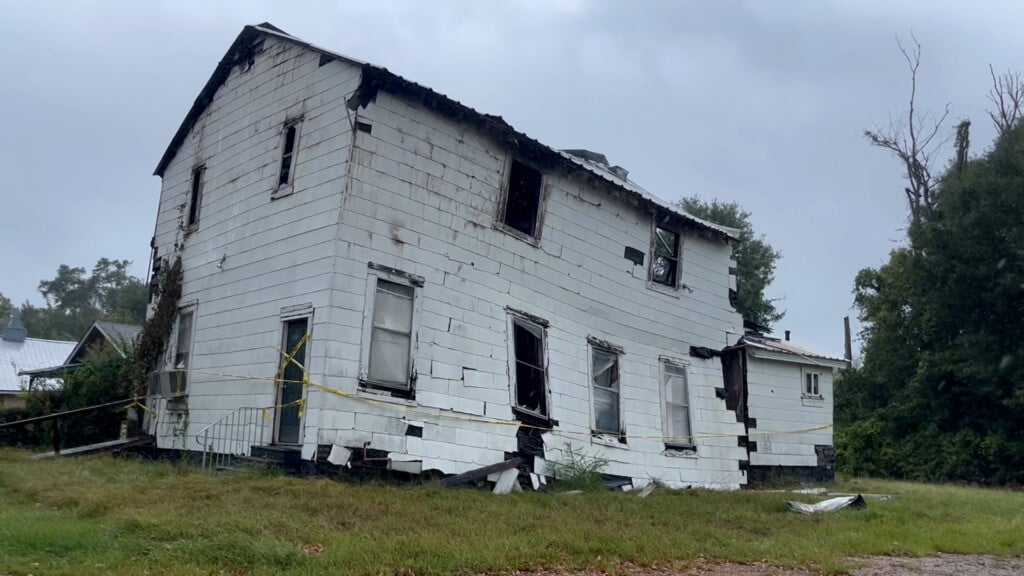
847	342
56	436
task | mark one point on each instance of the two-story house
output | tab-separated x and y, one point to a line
397	278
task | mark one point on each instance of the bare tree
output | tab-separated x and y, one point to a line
914	140
1007	95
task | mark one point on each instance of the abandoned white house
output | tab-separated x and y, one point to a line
432	289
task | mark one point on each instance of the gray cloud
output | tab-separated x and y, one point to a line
759	102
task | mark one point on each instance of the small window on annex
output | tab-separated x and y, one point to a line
665	260
604	377
811	383
530	377
521	211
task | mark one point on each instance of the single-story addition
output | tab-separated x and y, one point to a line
398	280
779	386
20	354
100	335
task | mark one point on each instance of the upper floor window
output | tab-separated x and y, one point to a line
665	260
520	210
289	147
195	197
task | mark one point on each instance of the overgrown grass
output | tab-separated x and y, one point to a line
106	516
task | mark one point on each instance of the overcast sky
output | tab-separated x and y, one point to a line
759	102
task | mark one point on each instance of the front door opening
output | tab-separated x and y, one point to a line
289	420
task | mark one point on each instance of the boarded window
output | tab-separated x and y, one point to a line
195	197
811	381
184	344
677	407
604	376
391	336
665	263
288	149
522	202
531	381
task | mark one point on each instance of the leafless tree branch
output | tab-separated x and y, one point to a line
1007	95
915	140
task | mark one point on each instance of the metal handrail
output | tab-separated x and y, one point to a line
232	436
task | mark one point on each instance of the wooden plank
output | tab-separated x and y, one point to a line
480	473
93	448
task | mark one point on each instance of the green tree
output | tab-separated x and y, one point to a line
755	258
5	309
75	298
941	389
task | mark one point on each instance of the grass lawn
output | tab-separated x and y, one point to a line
102	515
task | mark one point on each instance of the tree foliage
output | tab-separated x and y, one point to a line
5	309
941	389
75	298
755	258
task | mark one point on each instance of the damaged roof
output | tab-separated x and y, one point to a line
785	347
376	78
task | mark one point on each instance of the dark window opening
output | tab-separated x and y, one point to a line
522	203
665	264
528	341
195	198
288	154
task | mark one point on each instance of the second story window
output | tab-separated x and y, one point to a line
521	209
665	260
195	197
289	146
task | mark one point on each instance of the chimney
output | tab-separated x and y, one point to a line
787	335
15	331
619	171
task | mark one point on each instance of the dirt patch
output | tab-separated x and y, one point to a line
941	565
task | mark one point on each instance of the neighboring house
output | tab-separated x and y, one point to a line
783	387
18	354
457	292
100	335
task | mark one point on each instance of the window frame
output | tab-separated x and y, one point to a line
516	317
670	442
285	188
182	375
506	181
677	283
193	208
375	275
596	345
804	374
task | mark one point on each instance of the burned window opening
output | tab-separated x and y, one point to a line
531	379
604	378
195	197
291	135
522	200
665	261
364	127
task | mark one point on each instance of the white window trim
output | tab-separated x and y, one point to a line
282	190
416	282
514	317
499	221
671	444
593	398
803	383
651	284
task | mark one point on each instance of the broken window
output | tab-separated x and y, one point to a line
522	199
288	149
604	376
677	407
530	378
195	198
665	263
184	345
391	336
811	387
